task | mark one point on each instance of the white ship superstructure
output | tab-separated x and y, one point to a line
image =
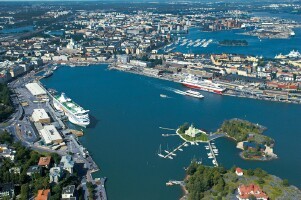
205	85
76	114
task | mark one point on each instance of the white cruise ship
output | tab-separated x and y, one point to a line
206	85
76	114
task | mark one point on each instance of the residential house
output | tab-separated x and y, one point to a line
67	163
43	195
245	191
55	174
239	171
45	161
7	190
35	169
68	193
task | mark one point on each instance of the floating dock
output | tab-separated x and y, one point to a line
171	153
213	155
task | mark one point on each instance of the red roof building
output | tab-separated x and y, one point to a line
239	171
44	161
43	195
245	191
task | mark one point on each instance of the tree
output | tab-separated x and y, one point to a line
55	157
285	182
6	138
252	197
250	172
260	181
24	191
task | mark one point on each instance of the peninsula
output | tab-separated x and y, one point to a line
203	182
249	138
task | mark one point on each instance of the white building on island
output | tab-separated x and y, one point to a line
192	131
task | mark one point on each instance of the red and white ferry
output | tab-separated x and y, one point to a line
205	85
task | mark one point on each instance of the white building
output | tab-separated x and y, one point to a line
191	131
50	135
67	163
6	152
68	192
55	174
40	115
35	89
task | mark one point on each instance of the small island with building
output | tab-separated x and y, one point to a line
233	43
191	134
250	139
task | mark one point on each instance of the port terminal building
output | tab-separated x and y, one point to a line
35	89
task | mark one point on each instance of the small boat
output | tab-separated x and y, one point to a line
170	157
186	144
180	149
166	151
173	154
161	155
159	152
47	74
163	96
169	183
197	144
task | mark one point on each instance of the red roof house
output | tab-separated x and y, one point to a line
245	191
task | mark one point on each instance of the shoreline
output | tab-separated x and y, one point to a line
94	166
177	81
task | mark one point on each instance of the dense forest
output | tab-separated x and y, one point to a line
239	129
6	107
203	178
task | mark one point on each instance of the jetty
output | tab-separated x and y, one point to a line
171	153
167	135
213	155
170	129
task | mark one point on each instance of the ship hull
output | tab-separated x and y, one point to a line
199	87
57	105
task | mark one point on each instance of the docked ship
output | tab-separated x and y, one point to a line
205	85
76	114
47	74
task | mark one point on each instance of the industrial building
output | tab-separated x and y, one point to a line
35	89
40	115
50	135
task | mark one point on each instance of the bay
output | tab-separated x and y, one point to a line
124	136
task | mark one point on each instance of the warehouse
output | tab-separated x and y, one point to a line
50	135
40	115
35	89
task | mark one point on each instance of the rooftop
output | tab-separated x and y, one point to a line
44	161
35	89
43	194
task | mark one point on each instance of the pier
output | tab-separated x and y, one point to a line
213	155
173	151
167	135
170	129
